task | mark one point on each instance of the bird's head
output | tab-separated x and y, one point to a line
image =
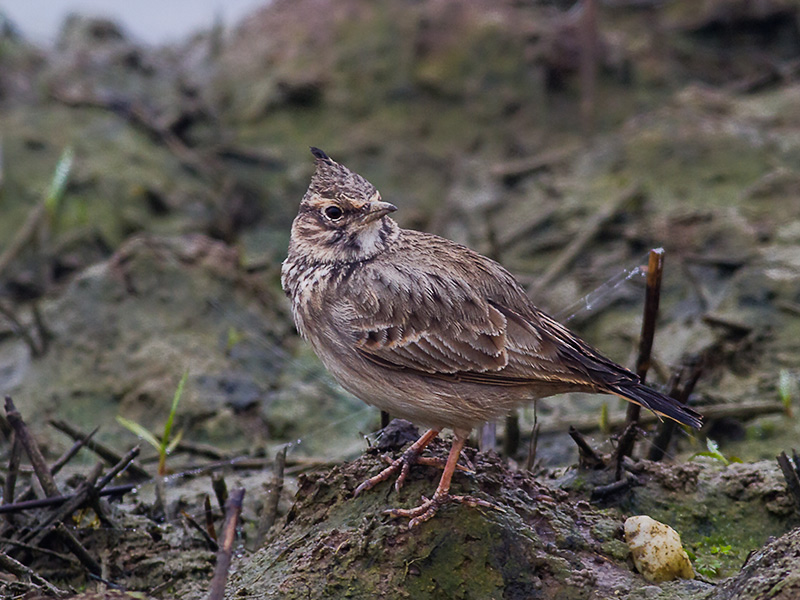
341	216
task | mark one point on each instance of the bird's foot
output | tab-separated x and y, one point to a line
401	466
430	506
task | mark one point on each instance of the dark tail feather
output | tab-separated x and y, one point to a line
658	403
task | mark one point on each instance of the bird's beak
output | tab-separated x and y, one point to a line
376	210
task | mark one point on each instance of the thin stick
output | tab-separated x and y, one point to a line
116	490
233	509
665	431
511	438
588	457
655	269
58	465
38	550
625	446
101	450
791	477
31	449
209	539
78	550
118	468
79	498
13	470
601	492
270	514
17	568
205	450
220	489
534	444
208	515
136	115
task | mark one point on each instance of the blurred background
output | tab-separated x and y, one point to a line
152	157
148	22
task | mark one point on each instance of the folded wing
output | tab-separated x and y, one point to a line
490	334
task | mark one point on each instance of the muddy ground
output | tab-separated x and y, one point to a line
162	256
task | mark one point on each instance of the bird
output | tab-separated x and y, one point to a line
429	330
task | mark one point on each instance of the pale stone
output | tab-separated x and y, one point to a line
656	549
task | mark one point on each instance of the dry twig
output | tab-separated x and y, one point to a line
512	435
658	448
233	509
792	476
107	454
220	489
13	471
28	492
588	457
15	567
209	539
270	514
25	438
23	505
655	269
78	499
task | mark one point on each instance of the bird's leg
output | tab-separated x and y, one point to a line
402	464
442	496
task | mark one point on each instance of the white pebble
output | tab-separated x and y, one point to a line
656	549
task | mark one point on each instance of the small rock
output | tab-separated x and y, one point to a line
397	434
656	549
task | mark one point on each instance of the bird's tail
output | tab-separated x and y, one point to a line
657	402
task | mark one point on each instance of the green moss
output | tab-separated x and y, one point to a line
700	171
731	507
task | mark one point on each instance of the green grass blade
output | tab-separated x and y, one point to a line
173	410
140	431
58	184
173	443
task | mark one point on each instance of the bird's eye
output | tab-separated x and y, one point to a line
333	212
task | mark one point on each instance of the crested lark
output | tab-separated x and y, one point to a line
427	329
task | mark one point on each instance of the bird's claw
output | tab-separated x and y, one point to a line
403	464
430	506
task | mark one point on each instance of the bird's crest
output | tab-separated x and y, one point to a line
332	181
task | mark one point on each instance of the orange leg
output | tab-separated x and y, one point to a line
402	464
442	496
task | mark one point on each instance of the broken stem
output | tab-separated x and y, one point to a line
655	268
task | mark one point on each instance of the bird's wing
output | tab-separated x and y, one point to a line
441	327
486	333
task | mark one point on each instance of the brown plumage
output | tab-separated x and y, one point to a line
427	329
